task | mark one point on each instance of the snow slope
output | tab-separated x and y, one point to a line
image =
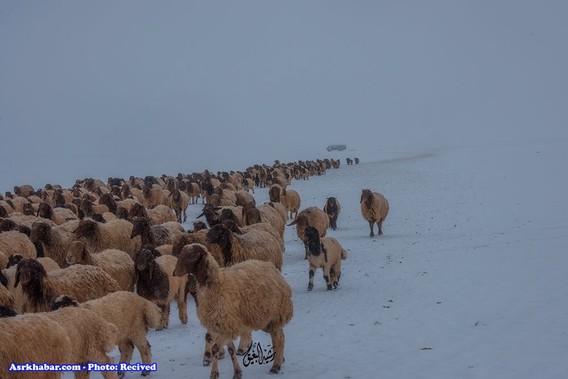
468	281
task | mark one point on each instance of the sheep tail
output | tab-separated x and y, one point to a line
152	315
343	254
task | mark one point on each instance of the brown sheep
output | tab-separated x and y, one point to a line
155	283
326	253
312	216
374	208
114	234
291	200
39	287
54	241
228	308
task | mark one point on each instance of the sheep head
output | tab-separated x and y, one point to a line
29	270
3	212
45	211
313	240
199	225
7	225
28	209
227	214
40	232
138	210
274	193
77	253
367	197
62	301
107	199
145	260
14	259
140	227
221	235
86	228
331	205
193	260
232	226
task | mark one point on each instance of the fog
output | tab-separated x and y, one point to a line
107	88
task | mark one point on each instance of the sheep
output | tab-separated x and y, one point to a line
374	208
244	197
70	335
271	213
131	314
14	242
189	238
47	263
24	190
327	253
311	216
6	297
264	226
229	307
116	263
158	234
54	241
114	234
332	208
154	282
213	218
3	260
161	214
291	200
39	287
258	244
179	201
45	210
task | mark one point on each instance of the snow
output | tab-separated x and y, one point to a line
468	281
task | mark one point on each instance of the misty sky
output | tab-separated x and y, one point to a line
120	88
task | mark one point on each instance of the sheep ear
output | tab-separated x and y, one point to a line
360	201
84	253
17	278
293	222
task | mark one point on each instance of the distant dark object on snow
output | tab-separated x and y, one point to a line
336	147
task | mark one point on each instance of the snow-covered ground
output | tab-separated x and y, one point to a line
469	280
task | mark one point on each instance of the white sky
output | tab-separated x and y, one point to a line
108	88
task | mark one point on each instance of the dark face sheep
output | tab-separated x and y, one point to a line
7	225
141	227
274	194
13	260
30	273
367	197
312	240
86	228
199	225
138	210
45	211
210	213
332	210
192	260
40	232
28	209
221	235
108	200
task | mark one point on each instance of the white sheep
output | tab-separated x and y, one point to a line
228	308
131	314
70	335
114	234
80	281
327	253
116	263
374	208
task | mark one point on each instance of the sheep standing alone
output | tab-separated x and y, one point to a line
39	287
116	263
374	208
291	200
228	307
326	253
156	283
130	313
332	208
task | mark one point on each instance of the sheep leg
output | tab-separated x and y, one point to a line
165	316
126	349
335	274
380	224
327	277
219	343
371	224
277	336
311	281
144	348
208	349
306	249
182	305
244	343
237	372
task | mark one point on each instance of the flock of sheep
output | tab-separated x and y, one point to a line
95	266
